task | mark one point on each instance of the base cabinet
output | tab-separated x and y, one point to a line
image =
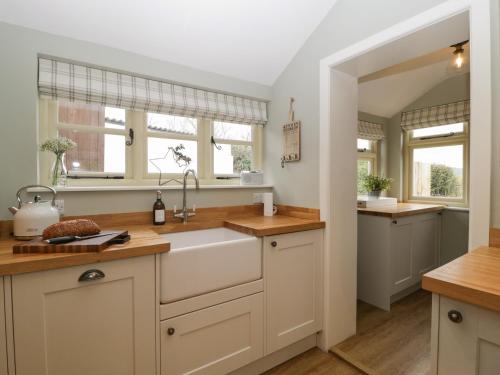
96	319
293	274
466	339
3	333
393	254
215	340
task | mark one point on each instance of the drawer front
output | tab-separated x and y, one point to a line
215	340
98	326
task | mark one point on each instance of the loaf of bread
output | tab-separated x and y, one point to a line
78	227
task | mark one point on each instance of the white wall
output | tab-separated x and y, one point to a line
18	116
348	21
495	45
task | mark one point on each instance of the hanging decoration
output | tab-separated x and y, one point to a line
291	138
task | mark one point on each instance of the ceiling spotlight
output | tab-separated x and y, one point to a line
458	54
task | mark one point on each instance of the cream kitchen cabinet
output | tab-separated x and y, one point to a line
393	254
293	286
465	339
93	319
3	333
215	340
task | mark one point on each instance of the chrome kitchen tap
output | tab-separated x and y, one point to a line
184	214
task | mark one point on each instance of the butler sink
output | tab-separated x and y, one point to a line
206	260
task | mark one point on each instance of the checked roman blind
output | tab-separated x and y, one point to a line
437	115
370	130
58	79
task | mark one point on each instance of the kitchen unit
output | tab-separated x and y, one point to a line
147	308
466	314
396	246
3	333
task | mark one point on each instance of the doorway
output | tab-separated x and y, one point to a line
439	26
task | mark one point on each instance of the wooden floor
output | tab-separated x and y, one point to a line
396	342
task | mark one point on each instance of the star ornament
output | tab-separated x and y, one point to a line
177	156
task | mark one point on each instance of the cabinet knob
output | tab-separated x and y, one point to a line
170	331
455	316
274	244
91	275
394	221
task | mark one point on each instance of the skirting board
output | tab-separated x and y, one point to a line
277	358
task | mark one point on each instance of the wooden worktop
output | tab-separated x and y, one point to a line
271	225
473	278
401	210
146	239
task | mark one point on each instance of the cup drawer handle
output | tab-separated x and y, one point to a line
91	275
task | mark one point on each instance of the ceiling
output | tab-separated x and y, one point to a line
252	40
386	92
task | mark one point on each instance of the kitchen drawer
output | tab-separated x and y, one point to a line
215	340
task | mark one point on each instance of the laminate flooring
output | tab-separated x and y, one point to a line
389	343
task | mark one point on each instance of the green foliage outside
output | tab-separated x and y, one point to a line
444	183
242	158
362	173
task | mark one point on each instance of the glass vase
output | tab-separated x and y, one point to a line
59	173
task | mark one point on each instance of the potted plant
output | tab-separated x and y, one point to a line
375	185
58	146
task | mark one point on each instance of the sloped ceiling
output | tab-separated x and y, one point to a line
386	92
252	40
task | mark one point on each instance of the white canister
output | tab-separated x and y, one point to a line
269	208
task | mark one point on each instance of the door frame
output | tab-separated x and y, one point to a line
337	162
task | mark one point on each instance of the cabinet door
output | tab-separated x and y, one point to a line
457	341
215	340
488	343
294	287
402	275
426	237
102	327
3	335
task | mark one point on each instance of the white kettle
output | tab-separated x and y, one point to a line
31	218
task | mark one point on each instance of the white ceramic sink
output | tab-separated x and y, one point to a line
206	260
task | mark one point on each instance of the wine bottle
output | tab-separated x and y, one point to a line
158	210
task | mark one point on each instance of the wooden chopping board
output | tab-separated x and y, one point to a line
85	246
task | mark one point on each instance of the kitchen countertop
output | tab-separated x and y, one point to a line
145	240
473	278
401	210
271	225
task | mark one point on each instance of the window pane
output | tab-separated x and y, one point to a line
232	159
95	152
438	130
172	124
235	132
159	147
364	169
91	115
438	172
364	144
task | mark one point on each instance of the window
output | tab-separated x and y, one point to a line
99	133
232	148
134	147
436	167
367	161
164	133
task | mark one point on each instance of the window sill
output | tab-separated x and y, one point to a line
70	189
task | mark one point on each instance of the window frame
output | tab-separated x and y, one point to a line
254	143
410	144
370	155
136	156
